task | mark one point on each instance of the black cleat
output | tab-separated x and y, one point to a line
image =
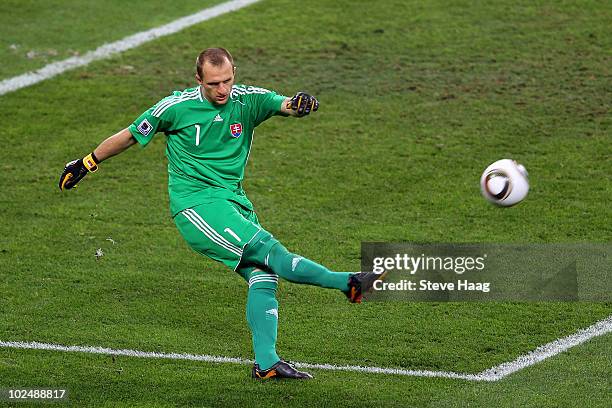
361	283
282	369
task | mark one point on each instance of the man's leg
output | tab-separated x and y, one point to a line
218	230
262	314
265	251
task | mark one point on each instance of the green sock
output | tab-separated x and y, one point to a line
298	269
262	316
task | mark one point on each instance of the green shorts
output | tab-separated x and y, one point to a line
219	229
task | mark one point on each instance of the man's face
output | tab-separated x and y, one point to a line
217	82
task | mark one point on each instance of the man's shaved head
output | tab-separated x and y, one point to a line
213	56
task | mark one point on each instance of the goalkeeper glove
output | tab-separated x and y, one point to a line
76	170
303	104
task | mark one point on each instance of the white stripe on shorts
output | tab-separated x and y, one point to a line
210	233
212	230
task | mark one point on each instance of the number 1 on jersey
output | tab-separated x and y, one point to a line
197	134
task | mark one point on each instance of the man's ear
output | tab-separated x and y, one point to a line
197	77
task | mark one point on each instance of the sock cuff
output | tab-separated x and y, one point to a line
263	282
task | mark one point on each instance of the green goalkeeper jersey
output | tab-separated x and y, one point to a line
207	145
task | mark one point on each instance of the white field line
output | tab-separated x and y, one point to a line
492	374
107	50
548	350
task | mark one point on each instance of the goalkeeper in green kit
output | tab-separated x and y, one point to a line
209	132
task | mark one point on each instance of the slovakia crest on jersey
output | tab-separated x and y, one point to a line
236	129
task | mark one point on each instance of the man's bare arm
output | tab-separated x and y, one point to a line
114	145
77	169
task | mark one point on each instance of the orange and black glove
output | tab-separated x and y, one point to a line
76	170
303	103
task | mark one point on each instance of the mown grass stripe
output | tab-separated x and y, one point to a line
127	43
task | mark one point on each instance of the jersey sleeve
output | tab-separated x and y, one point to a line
151	122
263	104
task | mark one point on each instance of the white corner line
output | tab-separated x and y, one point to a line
547	350
107	50
492	374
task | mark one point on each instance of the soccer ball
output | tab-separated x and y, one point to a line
505	183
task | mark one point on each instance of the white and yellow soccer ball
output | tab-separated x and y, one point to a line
505	183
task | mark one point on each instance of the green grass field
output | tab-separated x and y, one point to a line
417	98
34	34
